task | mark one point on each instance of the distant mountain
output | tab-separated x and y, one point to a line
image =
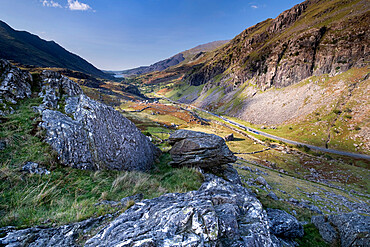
26	48
159	66
174	60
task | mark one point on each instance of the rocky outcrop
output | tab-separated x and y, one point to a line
54	86
283	224
62	236
191	148
218	214
14	86
87	134
350	229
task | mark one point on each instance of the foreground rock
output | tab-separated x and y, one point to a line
191	148
54	86
90	135
52	237
34	168
283	224
350	229
14	85
220	213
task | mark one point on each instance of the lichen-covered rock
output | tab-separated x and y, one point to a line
14	85
350	229
87	134
34	168
218	214
192	148
273	196
54	86
283	224
95	136
62	236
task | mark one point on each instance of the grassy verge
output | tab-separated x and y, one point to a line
67	194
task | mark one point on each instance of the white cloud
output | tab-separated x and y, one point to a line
254	6
76	5
51	3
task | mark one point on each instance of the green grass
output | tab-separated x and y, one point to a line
184	90
311	237
67	194
20	132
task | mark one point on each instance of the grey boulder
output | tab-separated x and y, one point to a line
192	148
220	213
94	136
87	134
350	229
284	225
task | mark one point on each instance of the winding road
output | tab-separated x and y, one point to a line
258	132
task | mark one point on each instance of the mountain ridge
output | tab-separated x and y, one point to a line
300	42
186	55
29	49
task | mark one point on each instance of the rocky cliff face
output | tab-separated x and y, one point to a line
312	38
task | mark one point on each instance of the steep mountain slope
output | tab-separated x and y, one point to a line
176	59
306	72
313	38
29	49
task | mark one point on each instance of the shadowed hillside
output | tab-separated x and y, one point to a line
26	48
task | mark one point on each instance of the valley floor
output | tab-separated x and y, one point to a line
305	178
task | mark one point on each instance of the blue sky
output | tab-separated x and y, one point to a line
122	34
